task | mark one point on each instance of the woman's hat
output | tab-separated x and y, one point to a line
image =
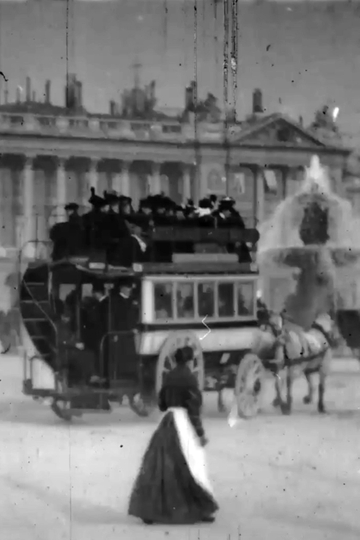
111	197
95	200
227	202
72	206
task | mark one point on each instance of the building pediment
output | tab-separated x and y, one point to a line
275	130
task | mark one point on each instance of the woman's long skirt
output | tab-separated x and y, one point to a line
172	486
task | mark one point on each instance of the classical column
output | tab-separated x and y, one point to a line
124	178
28	233
259	194
61	190
93	174
155	182
186	183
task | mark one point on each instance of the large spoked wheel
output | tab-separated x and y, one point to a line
166	361
249	386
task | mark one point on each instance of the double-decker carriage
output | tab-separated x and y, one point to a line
205	299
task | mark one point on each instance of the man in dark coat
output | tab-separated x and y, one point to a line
121	357
95	223
76	238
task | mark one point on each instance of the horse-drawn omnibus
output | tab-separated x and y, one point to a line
205	299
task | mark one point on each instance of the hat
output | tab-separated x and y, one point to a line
146	203
124	199
72	206
126	282
98	287
111	197
138	220
95	200
227	202
213	198
205	203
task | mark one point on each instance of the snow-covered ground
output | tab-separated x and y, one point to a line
283	478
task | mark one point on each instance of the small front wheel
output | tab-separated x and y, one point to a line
249	386
140	406
62	409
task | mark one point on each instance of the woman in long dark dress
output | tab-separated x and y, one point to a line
172	486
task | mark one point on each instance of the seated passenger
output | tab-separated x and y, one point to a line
227	215
78	362
95	223
205	217
76	233
125	205
133	248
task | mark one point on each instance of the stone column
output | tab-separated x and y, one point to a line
28	232
186	183
93	175
259	194
155	182
124	178
61	190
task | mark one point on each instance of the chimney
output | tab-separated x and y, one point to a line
28	89
33	96
18	94
78	94
70	91
112	108
190	93
257	101
6	95
301	121
47	91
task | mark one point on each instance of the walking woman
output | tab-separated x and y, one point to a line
172	486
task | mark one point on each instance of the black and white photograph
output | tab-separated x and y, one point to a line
179	269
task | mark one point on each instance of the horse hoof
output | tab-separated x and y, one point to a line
307	400
221	408
276	403
286	411
322	410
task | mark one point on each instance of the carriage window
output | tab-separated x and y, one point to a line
185	300
226	300
206	299
163	301
245	298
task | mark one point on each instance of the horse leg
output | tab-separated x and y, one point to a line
220	402
323	373
309	397
278	400
286	407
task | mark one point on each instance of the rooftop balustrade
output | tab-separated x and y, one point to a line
109	128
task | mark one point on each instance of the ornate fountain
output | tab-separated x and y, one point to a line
313	240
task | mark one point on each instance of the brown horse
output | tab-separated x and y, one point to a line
298	352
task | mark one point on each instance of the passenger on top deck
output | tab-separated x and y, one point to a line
95	223
227	215
116	227
75	230
204	213
125	205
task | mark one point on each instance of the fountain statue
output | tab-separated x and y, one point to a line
314	236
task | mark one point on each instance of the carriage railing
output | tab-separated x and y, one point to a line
115	337
42	255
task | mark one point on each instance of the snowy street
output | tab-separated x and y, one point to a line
275	477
